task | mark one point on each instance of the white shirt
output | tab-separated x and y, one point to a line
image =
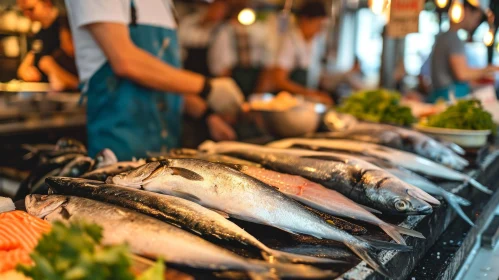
294	52
223	54
89	56
193	34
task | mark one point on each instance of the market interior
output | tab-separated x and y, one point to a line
249	139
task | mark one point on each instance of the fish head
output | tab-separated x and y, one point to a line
104	158
141	175
43	205
399	198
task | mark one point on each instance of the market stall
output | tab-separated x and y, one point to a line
289	207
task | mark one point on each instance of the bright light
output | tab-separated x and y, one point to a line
246	17
456	12
497	47
475	3
488	39
441	3
378	6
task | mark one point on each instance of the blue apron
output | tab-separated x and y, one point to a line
128	118
460	90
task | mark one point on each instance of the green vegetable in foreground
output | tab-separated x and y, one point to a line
466	114
380	106
74	252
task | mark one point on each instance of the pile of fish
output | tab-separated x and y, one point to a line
181	207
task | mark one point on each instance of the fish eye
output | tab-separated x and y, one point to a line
401	205
74	171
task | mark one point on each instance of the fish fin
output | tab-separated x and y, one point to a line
422	195
237	167
479	186
454	201
390	228
221	213
393	233
383	245
367	252
186	173
187	196
326	158
271	255
372	210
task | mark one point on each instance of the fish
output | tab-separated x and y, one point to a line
176	211
146	236
101	174
400	158
34	182
77	167
412	178
189	153
358	180
19	234
243	197
322	252
105	158
67	143
345	126
323	199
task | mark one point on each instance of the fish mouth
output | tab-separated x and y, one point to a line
42	205
424	210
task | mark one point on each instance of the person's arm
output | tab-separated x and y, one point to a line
464	73
281	77
131	62
58	76
27	71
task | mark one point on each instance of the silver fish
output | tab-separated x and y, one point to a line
400	158
241	196
102	173
174	210
358	180
147	236
324	199
344	126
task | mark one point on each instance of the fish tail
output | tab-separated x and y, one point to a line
455	202
270	255
366	252
479	186
401	230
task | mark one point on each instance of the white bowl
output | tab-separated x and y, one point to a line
462	137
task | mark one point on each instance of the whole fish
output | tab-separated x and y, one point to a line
240	196
323	199
345	126
400	158
101	174
146	236
177	211
358	180
414	179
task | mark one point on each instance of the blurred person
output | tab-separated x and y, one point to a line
240	51
45	42
60	66
450	71
298	53
128	58
197	33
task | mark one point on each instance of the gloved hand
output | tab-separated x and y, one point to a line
225	97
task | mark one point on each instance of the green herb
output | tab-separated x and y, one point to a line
466	114
74	253
381	106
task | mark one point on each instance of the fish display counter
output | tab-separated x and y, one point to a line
361	201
